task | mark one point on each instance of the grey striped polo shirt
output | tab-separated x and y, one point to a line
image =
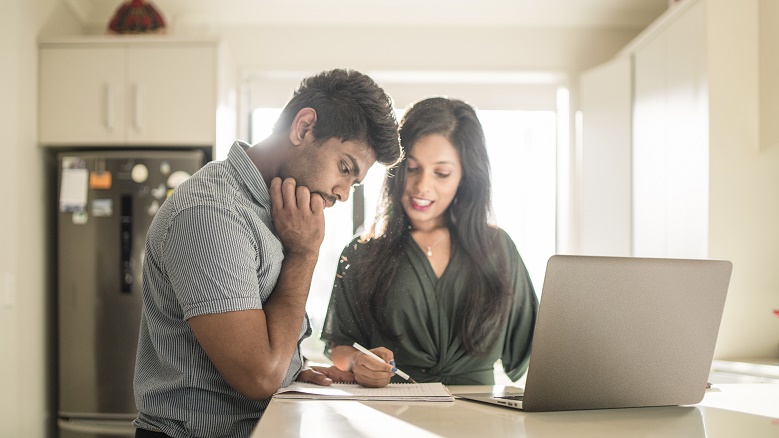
211	248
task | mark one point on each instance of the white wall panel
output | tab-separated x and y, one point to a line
605	160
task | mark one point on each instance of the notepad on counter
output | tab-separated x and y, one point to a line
435	392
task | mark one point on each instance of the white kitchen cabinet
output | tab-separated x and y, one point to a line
605	164
705	181
120	91
671	140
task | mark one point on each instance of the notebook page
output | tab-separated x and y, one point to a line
349	391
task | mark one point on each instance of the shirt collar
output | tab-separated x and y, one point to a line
248	173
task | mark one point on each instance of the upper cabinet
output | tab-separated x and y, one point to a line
671	139
128	91
704	165
604	179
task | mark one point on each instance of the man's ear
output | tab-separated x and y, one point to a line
302	125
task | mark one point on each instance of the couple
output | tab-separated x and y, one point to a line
230	256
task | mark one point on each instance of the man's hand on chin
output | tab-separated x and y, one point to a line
325	376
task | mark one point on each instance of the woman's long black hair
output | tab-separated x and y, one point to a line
488	297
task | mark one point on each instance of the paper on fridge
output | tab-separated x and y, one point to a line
73	185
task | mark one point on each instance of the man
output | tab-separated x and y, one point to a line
230	256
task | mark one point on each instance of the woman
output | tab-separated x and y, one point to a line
433	288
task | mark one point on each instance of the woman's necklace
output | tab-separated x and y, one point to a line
430	247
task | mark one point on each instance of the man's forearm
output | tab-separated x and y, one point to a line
285	308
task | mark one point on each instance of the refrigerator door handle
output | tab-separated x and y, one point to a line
126	247
101	427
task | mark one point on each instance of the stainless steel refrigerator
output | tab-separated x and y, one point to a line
107	200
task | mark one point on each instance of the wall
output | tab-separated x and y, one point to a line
744	184
399	48
9	77
604	157
26	349
768	34
671	140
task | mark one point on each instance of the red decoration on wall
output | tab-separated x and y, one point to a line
136	16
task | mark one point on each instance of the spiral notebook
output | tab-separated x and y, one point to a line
432	392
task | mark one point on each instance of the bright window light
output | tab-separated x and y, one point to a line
521	145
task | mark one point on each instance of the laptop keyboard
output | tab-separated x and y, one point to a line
510	397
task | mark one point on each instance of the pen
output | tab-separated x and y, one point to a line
394	368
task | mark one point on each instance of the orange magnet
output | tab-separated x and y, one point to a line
100	181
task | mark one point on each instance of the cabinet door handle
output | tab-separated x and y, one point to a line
137	106
109	107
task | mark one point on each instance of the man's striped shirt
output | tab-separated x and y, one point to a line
211	248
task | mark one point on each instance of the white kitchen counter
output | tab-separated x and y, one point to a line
760	370
728	410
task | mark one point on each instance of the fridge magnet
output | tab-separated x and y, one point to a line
177	178
100	180
80	217
73	163
136	17
102	207
139	173
159	192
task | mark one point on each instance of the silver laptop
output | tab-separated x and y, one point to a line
619	332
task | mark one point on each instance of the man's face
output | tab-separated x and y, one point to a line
330	168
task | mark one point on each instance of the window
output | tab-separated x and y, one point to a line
522	149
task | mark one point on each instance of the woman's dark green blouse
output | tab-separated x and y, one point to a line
424	309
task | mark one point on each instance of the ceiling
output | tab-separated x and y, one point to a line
612	14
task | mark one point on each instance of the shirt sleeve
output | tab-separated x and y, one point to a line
522	319
212	262
342	324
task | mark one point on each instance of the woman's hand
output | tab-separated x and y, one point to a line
370	372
